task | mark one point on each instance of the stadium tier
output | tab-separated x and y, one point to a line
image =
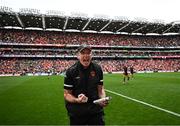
28	51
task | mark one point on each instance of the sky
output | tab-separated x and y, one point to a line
163	10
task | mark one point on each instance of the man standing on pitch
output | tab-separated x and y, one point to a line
132	72
125	74
83	84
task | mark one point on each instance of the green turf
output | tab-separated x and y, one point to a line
32	100
39	100
160	89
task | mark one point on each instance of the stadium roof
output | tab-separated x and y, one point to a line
32	19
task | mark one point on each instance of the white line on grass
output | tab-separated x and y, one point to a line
144	103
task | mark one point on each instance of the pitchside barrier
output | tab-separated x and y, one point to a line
46	74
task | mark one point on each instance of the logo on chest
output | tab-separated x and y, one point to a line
92	73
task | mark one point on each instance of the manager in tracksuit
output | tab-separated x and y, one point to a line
83	84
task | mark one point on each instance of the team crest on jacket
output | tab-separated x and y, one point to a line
93	73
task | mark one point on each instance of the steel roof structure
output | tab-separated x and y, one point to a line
84	24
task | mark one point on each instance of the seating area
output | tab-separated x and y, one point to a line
20	59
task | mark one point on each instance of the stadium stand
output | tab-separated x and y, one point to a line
40	51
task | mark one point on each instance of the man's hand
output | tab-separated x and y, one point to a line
103	103
81	98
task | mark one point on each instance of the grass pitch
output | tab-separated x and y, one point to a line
39	101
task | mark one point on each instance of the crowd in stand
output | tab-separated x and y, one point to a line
141	65
42	37
95	52
9	66
27	65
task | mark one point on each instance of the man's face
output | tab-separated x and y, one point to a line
85	57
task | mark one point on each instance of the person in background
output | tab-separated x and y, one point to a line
131	72
125	75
